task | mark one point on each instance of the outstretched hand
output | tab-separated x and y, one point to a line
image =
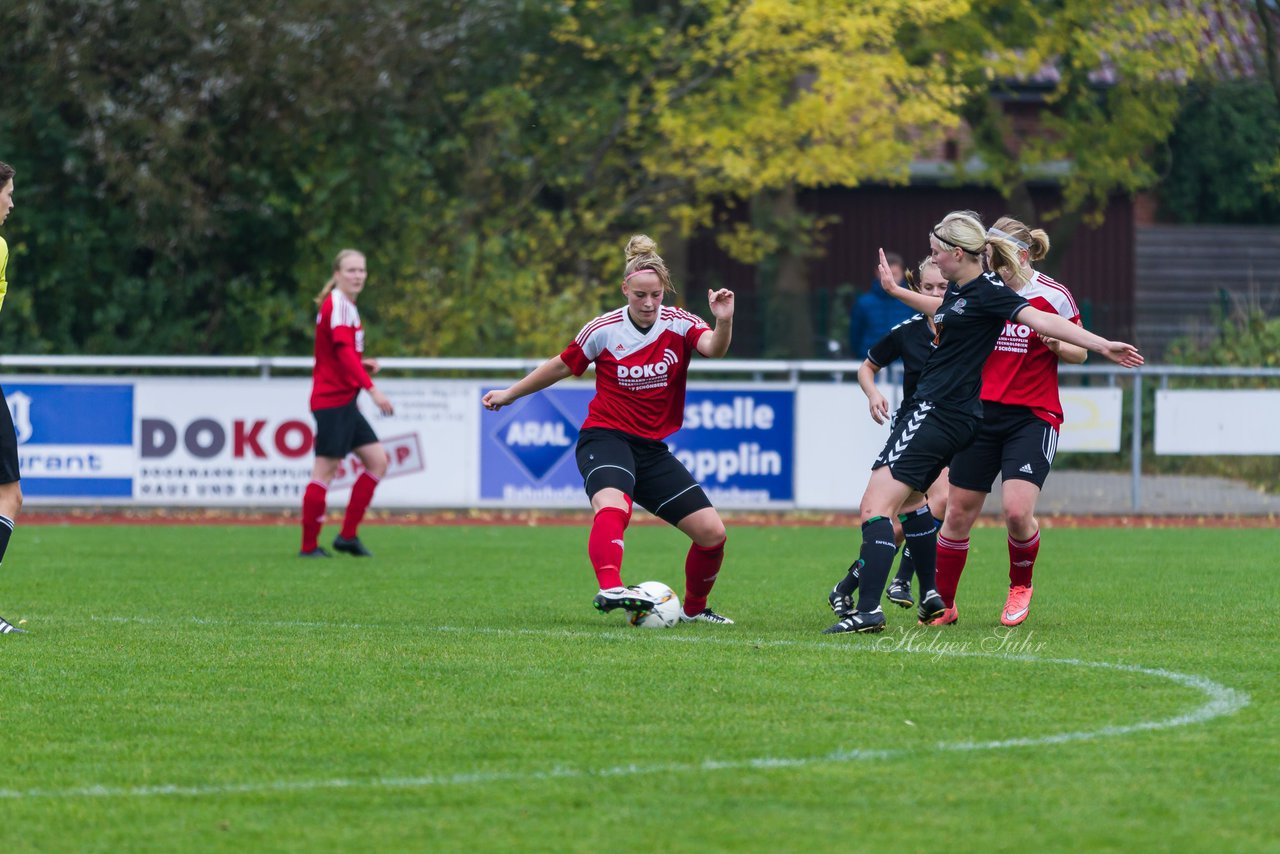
721	303
1123	354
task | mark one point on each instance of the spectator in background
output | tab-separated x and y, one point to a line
876	312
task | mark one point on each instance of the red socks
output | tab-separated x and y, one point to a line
1022	560
701	566
604	546
313	501
951	557
361	495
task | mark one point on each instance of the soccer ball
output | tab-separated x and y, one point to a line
667	612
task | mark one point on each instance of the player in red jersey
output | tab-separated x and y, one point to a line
340	372
1021	415
641	352
10	478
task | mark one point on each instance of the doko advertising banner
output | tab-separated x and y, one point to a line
251	443
739	444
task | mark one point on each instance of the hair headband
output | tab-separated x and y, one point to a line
1021	244
635	273
942	239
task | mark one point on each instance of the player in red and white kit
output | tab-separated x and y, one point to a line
341	371
1021	415
641	352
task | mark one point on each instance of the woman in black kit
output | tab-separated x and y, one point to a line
912	342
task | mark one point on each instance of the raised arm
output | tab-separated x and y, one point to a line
716	344
1063	329
921	303
545	375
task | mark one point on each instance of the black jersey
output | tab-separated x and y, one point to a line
968	322
912	342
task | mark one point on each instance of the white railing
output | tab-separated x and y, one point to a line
752	369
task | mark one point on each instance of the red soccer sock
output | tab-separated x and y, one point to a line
605	545
951	557
701	566
313	501
361	495
1022	560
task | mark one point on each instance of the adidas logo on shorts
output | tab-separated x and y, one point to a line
1026	468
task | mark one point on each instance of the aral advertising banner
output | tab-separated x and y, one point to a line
249	442
75	441
738	443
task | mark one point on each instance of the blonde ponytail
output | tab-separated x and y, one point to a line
1034	240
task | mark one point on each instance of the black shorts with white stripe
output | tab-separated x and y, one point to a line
1012	442
644	469
922	442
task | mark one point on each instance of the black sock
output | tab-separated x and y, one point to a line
849	583
6	531
906	567
921	531
878	549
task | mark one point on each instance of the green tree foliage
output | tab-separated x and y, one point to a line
1225	155
1108	75
188	168
1244	338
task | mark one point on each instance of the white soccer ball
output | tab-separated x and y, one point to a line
667	612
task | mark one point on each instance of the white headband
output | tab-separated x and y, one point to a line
1009	237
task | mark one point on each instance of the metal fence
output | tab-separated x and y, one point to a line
1135	383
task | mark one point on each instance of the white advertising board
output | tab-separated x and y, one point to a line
1093	418
836	443
1217	422
247	442
837	440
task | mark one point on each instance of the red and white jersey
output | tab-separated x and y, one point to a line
1021	370
338	375
640	376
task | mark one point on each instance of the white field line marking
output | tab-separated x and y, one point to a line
1221	701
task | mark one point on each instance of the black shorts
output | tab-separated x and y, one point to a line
8	447
642	468
922	442
1013	442
340	430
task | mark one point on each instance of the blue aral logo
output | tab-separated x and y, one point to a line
538	436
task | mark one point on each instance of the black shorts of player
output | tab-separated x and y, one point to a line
340	430
642	468
8	447
1013	442
922	442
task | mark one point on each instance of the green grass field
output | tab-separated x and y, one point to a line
199	688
